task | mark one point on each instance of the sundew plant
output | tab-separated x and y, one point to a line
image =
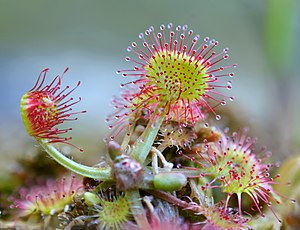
176	166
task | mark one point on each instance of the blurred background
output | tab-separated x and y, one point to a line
91	37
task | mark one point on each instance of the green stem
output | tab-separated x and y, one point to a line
137	209
144	143
103	174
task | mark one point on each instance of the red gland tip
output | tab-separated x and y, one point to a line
177	76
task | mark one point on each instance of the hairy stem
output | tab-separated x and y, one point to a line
103	174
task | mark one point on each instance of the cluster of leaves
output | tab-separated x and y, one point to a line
198	202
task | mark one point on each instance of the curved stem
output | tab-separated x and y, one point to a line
103	174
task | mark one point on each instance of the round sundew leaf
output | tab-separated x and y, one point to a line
175	75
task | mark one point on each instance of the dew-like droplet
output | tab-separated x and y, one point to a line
269	204
129	49
141	35
180	131
231	98
206	125
218	117
223	102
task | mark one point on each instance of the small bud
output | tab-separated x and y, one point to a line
169	181
114	149
91	198
128	173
